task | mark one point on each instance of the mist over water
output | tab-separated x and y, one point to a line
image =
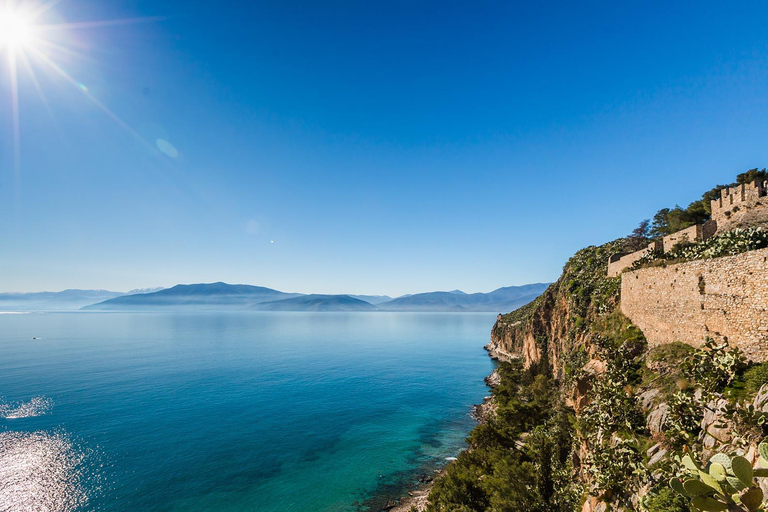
231	411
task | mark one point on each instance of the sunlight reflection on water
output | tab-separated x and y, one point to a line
37	406
39	471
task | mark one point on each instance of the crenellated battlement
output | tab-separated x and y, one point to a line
741	206
732	200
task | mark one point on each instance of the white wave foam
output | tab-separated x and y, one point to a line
39	471
37	406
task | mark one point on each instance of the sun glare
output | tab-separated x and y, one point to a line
29	43
16	29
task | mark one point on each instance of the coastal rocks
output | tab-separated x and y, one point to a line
493	380
484	411
417	499
496	352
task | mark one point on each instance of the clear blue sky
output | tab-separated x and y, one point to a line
369	147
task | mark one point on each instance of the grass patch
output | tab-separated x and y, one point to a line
662	368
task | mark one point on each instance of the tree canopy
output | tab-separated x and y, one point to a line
670	220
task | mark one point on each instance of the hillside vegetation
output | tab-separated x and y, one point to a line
586	418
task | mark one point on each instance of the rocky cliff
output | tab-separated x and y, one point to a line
636	406
633	408
557	323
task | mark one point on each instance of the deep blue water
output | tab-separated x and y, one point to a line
232	411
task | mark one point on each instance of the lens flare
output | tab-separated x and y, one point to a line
28	42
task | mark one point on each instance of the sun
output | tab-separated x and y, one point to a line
16	29
30	44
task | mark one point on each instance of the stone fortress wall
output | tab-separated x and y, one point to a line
738	207
741	206
617	263
722	298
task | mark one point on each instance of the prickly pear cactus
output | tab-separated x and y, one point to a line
725	483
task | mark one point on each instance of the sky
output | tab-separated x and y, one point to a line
364	147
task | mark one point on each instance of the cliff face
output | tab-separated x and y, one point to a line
557	323
628	400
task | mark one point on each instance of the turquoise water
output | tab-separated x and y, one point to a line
232	411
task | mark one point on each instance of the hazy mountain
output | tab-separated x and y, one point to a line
213	295
318	303
372	299
67	300
240	296
503	299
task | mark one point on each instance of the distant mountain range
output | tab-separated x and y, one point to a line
228	296
206	296
503	299
52	301
66	300
246	297
318	303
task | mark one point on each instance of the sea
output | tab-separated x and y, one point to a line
232	411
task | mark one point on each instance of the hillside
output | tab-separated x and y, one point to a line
317	303
372	299
227	296
588	415
502	299
213	295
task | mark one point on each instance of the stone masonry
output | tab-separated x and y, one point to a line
692	234
737	207
618	262
721	298
741	206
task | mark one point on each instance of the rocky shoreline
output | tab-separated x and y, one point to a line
418	497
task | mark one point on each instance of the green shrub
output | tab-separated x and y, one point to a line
663	499
714	366
729	243
683	423
754	378
519	459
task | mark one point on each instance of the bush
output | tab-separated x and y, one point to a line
729	243
754	378
664	499
520	459
713	367
683	423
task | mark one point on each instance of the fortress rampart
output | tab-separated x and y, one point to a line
741	206
618	262
738	207
721	298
